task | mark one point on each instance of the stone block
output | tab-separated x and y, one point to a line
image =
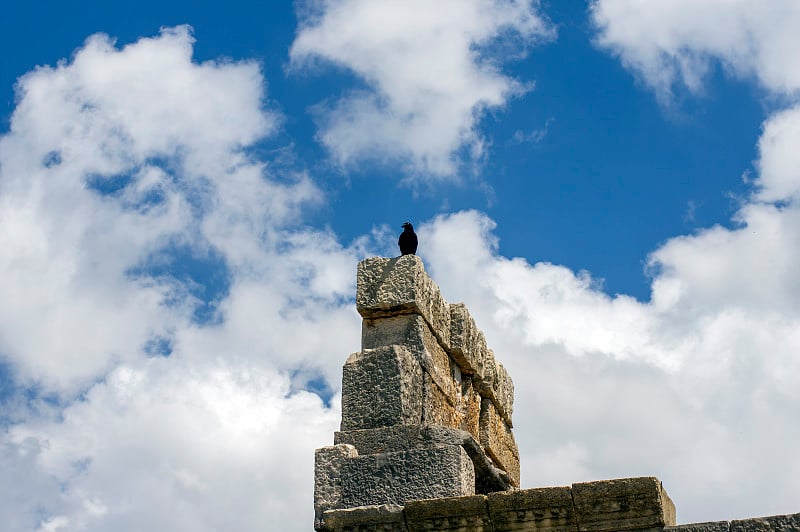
622	504
328	478
498	440
412	332
440	407
497	385
470	408
716	526
389	287
382	518
539	509
455	514
488	477
774	523
381	387
400	476
467	343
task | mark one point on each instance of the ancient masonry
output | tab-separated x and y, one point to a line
426	438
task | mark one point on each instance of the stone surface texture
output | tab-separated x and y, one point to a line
540	509
774	523
461	514
381	387
426	407
716	526
622	504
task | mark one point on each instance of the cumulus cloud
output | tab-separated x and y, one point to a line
429	71
673	42
156	295
695	386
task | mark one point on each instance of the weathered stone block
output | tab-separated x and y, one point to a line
498	440
540	509
412	332
456	514
622	504
716	526
497	385
470	408
774	523
467	343
328	478
381	387
488	477
388	287
401	476
439	407
382	518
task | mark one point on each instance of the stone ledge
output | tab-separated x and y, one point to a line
631	504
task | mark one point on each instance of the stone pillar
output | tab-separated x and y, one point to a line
426	407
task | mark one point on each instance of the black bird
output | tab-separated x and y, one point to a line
408	240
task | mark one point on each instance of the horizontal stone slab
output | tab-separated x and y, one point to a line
454	514
538	509
774	523
381	387
401	476
498	440
488	477
622	504
713	526
389	287
383	518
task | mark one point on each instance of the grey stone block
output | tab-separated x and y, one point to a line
774	523
401	476
382	518
488	477
328	478
412	332
467	343
455	514
381	387
498	440
389	287
539	509
622	504
715	526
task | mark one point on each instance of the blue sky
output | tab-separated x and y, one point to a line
186	188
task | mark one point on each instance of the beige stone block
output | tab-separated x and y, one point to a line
497	385
380	388
412	332
470	408
389	287
438	406
379	518
539	509
622	504
467	343
455	514
498	440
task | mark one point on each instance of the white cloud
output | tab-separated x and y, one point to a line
676	41
429	70
120	166
696	386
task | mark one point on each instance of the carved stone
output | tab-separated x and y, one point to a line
463	514
622	504
498	440
540	509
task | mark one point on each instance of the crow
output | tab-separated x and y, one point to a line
408	240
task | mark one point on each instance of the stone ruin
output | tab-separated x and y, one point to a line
426	440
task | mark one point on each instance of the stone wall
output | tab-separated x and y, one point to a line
426	407
634	504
